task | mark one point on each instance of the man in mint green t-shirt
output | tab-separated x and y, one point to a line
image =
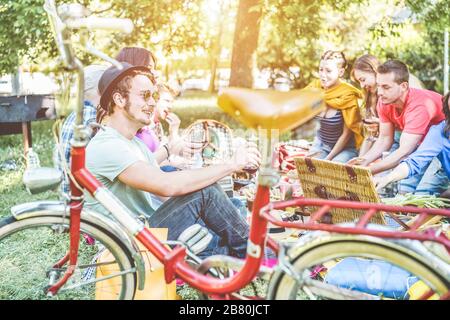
175	200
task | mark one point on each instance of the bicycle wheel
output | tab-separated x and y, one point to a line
358	267
30	247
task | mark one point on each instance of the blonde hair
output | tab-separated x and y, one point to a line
366	63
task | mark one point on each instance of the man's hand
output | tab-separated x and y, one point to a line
358	161
380	182
399	173
180	147
247	156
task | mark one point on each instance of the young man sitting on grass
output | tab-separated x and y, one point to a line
173	200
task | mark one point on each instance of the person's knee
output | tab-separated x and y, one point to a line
213	190
345	156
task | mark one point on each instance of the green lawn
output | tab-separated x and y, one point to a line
12	190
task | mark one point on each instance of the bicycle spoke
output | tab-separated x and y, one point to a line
28	253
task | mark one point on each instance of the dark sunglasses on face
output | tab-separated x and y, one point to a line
147	94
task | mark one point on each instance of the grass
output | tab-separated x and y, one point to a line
12	190
30	253
189	107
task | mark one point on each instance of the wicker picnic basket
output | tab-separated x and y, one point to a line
336	181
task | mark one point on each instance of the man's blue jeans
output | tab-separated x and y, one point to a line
431	180
209	207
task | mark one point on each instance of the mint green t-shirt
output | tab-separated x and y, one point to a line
108	154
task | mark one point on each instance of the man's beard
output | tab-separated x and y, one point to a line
131	116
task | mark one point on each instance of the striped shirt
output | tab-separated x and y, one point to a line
331	129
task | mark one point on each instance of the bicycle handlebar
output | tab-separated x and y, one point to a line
96	23
71	17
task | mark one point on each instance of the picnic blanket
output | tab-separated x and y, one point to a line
286	154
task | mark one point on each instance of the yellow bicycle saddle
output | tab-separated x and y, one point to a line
268	109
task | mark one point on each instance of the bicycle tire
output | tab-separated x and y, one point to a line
284	287
23	269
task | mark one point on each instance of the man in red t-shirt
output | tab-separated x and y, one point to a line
411	111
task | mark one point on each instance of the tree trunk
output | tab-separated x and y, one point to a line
245	43
215	50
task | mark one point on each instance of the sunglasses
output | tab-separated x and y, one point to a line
147	94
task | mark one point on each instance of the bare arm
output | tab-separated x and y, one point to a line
160	154
141	175
176	146
400	172
383	143
365	147
408	143
340	144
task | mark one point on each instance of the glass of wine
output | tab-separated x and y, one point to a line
371	128
194	142
252	139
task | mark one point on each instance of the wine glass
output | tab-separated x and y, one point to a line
252	139
371	128
194	142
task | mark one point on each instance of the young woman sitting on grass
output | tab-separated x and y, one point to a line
339	134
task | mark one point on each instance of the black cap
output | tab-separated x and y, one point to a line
111	77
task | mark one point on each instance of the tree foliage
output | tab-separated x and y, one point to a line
288	38
435	14
168	25
24	31
292	34
295	33
428	59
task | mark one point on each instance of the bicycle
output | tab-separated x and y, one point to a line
56	260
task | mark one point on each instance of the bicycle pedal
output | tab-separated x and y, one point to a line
202	244
189	233
196	238
203	232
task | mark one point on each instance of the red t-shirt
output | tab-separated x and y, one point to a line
423	108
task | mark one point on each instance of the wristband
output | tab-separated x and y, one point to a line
167	150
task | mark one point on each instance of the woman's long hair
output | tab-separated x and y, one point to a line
367	63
